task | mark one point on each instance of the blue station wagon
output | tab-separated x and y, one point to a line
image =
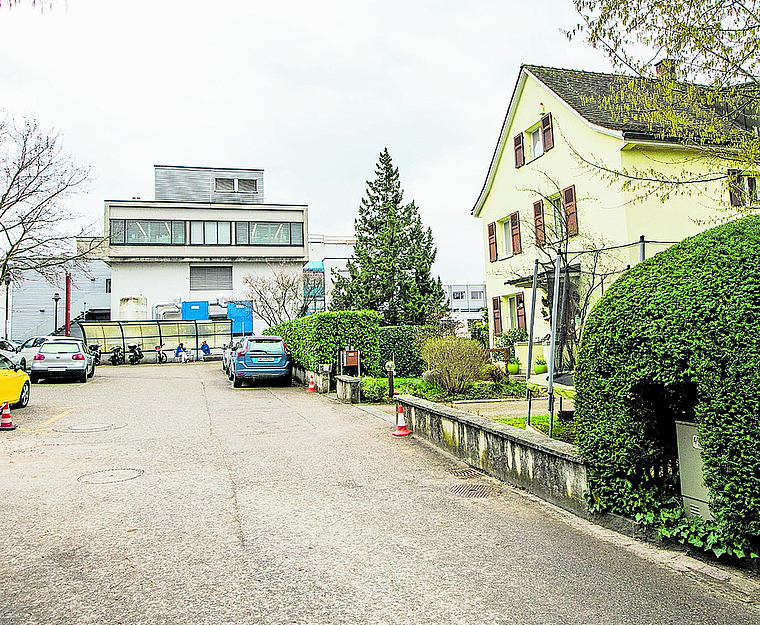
261	357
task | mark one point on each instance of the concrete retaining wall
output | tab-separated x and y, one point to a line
321	380
548	468
349	389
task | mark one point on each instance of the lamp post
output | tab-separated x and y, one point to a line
56	299
7	281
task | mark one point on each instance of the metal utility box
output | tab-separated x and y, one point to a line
695	495
194	310
241	314
350	359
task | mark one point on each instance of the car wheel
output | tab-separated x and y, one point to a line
23	400
237	382
287	380
92	373
83	379
34	378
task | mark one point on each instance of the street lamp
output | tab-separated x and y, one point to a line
7	281
56	299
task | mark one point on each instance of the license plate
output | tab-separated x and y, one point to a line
265	359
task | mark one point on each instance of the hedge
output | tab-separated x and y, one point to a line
401	344
316	339
677	337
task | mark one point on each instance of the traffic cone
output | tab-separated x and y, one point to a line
6	423
311	388
400	425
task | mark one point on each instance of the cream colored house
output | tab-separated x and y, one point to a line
542	188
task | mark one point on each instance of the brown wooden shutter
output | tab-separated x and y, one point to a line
538	220
514	228
571	212
493	255
496	316
735	187
519	151
547	131
520	311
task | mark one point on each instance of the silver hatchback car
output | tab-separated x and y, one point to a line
62	359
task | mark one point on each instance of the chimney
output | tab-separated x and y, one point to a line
665	68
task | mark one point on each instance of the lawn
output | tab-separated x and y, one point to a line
562	430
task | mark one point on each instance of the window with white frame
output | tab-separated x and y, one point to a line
476	294
507	238
236	185
536	142
458	294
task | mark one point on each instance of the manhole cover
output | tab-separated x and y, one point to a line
90	427
467	473
108	476
474	490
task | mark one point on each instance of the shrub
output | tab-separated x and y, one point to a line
678	337
401	344
457	361
316	339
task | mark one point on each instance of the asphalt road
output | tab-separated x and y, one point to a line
160	494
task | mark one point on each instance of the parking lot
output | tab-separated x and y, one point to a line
160	494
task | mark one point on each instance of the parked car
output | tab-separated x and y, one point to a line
62	359
32	345
10	351
262	357
15	386
229	349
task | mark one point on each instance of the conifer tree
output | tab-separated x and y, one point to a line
393	256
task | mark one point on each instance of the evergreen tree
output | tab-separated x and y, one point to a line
393	256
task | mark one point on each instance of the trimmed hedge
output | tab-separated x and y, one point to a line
401	344
316	339
677	337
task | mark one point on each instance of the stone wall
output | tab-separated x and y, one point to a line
321	380
548	468
348	389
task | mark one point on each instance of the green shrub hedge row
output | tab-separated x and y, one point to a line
316	339
677	337
401	344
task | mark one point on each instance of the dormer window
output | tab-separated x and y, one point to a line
236	185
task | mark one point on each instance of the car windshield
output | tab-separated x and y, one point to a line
59	348
268	346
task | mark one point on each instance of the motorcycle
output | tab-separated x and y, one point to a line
135	353
160	355
95	351
117	356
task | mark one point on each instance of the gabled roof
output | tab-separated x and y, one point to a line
584	93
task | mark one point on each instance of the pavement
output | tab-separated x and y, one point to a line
160	494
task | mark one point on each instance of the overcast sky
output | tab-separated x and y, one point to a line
309	91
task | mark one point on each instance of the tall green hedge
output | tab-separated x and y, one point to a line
678	338
316	339
401	344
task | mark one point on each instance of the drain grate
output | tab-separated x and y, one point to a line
467	473
474	490
109	476
90	427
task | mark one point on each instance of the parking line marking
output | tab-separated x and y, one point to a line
63	414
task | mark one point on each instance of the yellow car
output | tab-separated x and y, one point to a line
14	384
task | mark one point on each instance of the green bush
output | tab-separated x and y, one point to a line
401	344
375	390
678	337
456	361
316	339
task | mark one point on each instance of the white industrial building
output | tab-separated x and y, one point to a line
205	231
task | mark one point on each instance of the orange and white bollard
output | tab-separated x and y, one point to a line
6	423
400	424
311	388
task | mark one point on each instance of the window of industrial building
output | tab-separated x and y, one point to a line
224	185
458	295
245	185
211	278
268	233
236	185
147	232
476	294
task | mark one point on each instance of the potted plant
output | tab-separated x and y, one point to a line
540	366
513	365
